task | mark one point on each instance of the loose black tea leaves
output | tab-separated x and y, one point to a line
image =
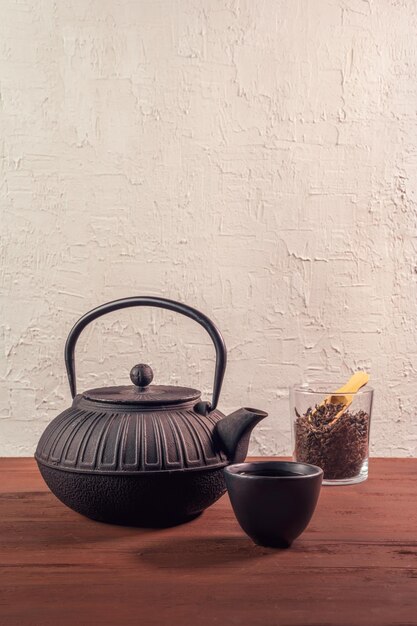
337	444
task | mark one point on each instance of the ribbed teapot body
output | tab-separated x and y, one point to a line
116	438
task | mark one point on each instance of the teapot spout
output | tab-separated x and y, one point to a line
234	431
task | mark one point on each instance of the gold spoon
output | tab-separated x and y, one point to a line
358	380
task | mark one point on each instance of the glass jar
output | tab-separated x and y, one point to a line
333	435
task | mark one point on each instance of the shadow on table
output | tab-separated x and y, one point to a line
201	552
53	525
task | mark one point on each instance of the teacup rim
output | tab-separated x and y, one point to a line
235	469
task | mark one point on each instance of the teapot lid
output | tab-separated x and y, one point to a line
142	393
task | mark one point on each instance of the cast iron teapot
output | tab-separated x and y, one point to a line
142	454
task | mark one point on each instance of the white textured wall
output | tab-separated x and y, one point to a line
256	159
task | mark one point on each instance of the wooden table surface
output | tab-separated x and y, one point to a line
355	564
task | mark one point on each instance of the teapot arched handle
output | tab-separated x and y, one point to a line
162	303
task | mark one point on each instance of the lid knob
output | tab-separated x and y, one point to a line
141	375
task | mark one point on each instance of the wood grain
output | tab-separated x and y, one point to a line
355	565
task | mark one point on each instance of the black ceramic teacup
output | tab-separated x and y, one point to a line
273	500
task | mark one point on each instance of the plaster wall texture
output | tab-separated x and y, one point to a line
256	159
